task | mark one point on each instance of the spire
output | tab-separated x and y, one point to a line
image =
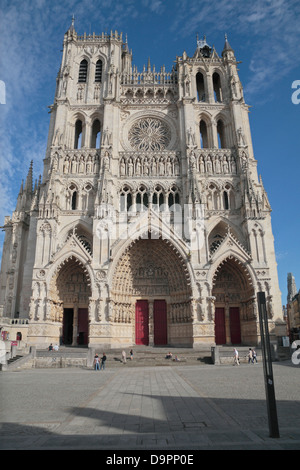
29	180
227	46
72	25
71	30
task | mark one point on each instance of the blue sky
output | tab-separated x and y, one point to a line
265	36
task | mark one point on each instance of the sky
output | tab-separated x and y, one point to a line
265	36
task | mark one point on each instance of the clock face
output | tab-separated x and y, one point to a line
150	134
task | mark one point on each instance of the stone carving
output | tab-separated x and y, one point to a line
157	164
214	162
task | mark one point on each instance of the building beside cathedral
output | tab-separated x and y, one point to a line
150	224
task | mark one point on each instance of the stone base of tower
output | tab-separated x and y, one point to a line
204	335
41	335
110	336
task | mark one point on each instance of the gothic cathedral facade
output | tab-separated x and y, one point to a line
150	224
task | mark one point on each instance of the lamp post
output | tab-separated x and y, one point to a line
267	363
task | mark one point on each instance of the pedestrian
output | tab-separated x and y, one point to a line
96	362
103	359
250	356
254	355
131	354
50	347
236	357
124	357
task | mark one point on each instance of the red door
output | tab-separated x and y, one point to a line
220	332
235	325
160	322
141	322
83	326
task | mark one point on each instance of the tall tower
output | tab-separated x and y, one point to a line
150	224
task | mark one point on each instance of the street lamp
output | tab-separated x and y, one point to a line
267	363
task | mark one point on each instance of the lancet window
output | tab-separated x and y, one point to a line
217	87
98	71
83	68
96	134
78	134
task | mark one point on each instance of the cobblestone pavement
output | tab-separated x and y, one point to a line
164	408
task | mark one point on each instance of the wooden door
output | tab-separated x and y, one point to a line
68	326
160	322
142	322
83	326
220	331
235	325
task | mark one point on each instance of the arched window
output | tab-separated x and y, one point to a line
173	198
141	198
225	200
96	134
203	135
158	198
217	87
83	67
228	197
125	199
213	198
221	134
74	201
200	87
98	71
78	134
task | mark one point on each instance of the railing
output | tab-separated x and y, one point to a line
149	78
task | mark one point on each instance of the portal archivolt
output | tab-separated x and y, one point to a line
235	303
153	268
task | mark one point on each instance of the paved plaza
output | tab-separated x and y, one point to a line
167	408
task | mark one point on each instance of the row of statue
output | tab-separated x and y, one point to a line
149	166
213	164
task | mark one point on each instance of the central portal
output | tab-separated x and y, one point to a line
151	295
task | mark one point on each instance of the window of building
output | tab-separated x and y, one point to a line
200	87
203	135
173	197
78	134
98	71
158	198
83	67
96	134
141	198
221	134
125	199
217	87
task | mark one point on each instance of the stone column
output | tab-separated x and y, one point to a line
151	323
75	324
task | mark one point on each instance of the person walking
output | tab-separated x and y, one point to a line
236	357
103	359
131	354
250	356
254	356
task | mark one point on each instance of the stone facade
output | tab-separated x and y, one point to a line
293	309
150	224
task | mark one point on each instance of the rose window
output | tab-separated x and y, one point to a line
149	134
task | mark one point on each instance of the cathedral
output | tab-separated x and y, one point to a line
150	224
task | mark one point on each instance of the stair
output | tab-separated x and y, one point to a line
144	357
